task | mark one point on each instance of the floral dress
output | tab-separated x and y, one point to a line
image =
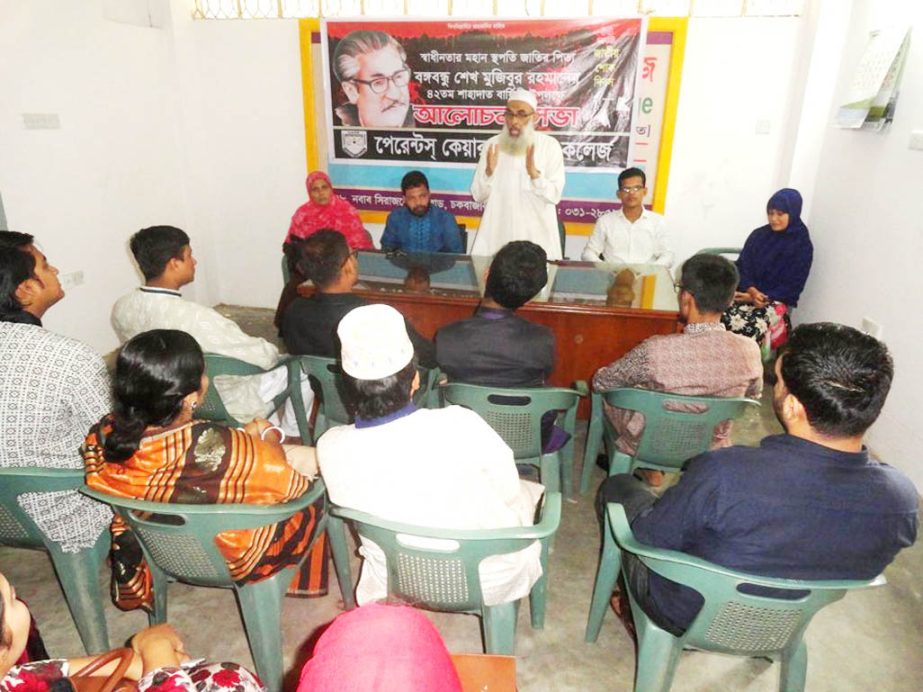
192	676
754	322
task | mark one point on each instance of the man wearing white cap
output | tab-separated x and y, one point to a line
443	468
519	180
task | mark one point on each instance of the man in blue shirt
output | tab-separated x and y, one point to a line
809	504
419	226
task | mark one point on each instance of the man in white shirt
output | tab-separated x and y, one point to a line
631	235
164	257
443	468
519	180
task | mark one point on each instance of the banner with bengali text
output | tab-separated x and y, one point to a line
431	92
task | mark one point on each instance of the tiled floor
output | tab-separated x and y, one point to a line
871	640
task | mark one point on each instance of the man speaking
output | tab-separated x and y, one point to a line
519	180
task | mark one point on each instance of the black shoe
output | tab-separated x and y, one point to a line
602	461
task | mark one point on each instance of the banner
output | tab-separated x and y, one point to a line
432	92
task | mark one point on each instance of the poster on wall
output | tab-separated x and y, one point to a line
431	92
872	96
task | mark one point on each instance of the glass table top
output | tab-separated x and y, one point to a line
577	283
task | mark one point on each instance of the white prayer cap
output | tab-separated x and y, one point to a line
525	96
374	342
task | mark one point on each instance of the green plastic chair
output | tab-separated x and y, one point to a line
331	410
516	415
213	408
446	579
719	251
78	573
187	552
730	622
427	396
670	438
326	377
286	270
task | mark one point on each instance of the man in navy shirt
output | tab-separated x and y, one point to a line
496	347
809	504
419	226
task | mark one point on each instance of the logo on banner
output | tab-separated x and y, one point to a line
355	142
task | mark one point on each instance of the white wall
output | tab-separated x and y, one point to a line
112	166
737	71
867	227
244	149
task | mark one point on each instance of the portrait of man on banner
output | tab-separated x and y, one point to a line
371	67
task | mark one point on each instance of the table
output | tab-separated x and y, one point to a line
589	332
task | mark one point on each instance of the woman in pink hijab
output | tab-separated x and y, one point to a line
385	648
326	209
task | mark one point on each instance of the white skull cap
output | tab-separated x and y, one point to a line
374	342
525	96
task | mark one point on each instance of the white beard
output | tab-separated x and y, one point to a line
516	146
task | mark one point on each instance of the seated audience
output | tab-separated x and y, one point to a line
632	234
497	347
808	504
705	360
386	648
324	210
52	389
443	468
151	447
164	256
160	662
420	226
309	325
774	265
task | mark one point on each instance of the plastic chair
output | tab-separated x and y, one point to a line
286	270
670	437
719	251
331	410
730	621
463	237
562	236
427	396
78	573
446	578
326	378
213	408
187	552
516	415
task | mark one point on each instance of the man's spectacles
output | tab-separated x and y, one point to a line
633	188
517	115
379	85
353	254
680	288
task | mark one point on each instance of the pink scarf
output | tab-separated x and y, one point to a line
337	215
383	648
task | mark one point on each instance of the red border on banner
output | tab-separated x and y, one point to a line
603	28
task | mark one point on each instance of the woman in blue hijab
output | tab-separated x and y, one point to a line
774	266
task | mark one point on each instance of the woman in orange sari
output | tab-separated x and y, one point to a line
152	448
